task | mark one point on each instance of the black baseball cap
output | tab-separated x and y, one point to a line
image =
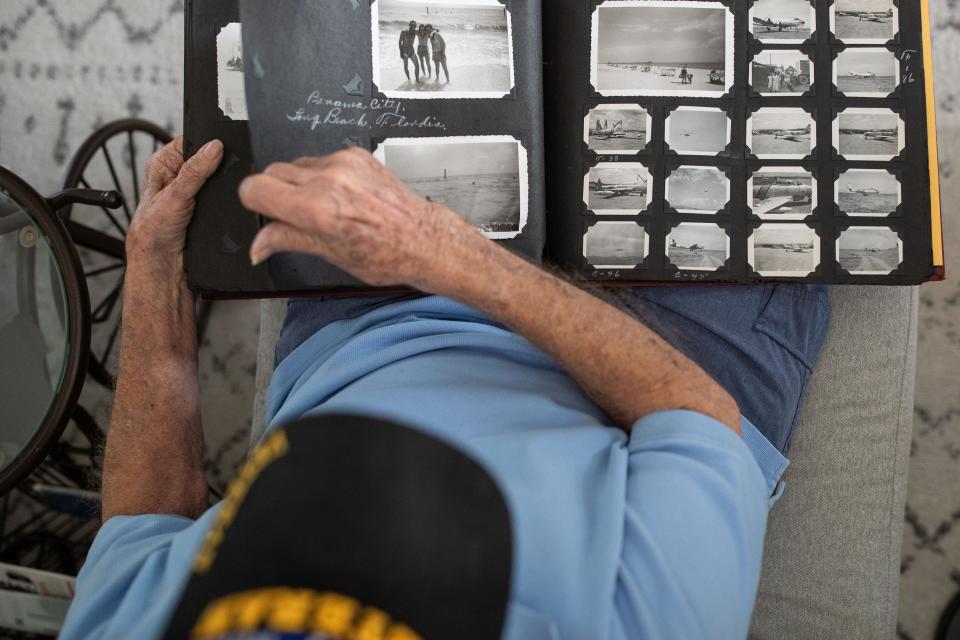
347	526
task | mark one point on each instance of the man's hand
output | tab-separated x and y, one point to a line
159	228
351	210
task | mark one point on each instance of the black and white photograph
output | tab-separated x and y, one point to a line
864	21
782	72
698	131
869	250
867	192
617	188
616	128
698	246
482	179
782	193
445	48
787	250
781	132
662	47
868	134
866	72
697	189
782	21
615	245
231	95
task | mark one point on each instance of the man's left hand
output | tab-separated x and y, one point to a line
159	228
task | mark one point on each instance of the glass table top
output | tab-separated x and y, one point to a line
33	328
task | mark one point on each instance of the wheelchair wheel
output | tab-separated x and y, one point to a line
114	157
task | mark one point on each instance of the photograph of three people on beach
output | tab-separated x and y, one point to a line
450	47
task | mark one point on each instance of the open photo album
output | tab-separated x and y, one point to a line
624	141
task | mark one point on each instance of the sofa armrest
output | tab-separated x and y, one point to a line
832	558
272	314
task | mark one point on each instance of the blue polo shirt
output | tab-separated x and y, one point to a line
655	534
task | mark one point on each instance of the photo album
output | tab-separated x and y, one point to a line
626	142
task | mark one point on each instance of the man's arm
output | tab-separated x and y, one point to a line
153	461
349	209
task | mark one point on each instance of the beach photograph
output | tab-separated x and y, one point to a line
781	132
231	93
615	245
781	21
869	250
867	192
697	130
698	246
481	180
655	47
782	192
617	188
868	134
864	21
781	72
616	128
697	189
788	250
867	72
452	48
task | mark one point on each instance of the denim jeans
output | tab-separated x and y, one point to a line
759	342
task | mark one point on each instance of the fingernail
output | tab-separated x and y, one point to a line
212	149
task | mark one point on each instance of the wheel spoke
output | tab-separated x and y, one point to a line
110	341
116	180
101	270
102	312
133	164
113	219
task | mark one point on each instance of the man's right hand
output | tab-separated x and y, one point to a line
352	211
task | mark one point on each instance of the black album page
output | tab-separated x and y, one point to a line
738	141
446	93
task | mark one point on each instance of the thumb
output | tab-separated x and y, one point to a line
196	171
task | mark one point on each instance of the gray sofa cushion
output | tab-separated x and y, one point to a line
832	559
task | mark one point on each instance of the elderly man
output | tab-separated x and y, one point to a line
636	483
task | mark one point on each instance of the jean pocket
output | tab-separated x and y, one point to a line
797	318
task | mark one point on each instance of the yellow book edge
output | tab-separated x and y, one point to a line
933	158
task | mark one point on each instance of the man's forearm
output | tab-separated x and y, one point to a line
626	368
154	454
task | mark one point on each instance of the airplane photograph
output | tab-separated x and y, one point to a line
864	21
781	72
615	245
868	134
788	250
617	188
697	189
781	132
866	72
869	250
781	21
782	192
698	246
616	128
867	192
697	130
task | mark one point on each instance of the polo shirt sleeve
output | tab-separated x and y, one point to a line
695	517
133	577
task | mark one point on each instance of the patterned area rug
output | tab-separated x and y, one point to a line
68	66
